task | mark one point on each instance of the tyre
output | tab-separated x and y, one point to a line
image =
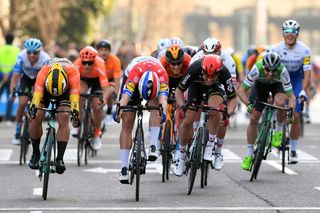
204	163
166	152
195	160
47	170
259	152
24	141
138	162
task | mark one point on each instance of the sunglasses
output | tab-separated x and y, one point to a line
89	63
290	31
273	71
176	63
33	52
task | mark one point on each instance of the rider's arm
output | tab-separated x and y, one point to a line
232	104
14	81
307	72
179	97
74	85
243	95
39	86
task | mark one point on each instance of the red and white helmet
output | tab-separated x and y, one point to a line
212	46
149	85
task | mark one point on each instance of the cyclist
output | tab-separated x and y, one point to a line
93	75
113	68
207	75
28	64
162	45
267	75
176	63
213	46
145	78
59	79
295	56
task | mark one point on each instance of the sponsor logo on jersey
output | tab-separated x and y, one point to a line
130	86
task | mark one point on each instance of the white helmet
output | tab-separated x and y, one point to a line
212	45
176	40
291	24
163	44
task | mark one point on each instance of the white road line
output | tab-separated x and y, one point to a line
229	155
180	209
37	191
305	156
278	166
5	154
317	188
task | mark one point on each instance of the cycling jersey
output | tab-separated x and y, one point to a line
296	61
98	71
183	70
257	75
194	74
140	65
227	60
23	65
113	67
73	82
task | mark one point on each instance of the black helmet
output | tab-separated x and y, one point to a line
104	44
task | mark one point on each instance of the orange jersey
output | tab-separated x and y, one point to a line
98	71
73	82
113	66
183	70
72	73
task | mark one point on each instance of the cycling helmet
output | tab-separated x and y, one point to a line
291	24
104	44
190	50
88	54
176	40
174	53
211	64
149	85
212	45
56	80
33	44
163	44
271	61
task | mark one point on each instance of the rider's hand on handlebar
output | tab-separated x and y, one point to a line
75	118
117	114
249	108
32	111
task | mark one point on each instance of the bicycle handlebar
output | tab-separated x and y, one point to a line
140	108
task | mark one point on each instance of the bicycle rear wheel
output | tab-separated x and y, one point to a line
47	170
138	162
24	141
166	151
259	152
195	159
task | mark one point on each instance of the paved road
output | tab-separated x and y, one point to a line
95	187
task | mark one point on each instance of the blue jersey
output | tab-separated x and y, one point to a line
23	65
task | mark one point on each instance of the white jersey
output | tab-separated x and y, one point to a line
23	65
137	60
295	59
227	60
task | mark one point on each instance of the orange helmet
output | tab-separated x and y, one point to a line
88	54
211	64
174	53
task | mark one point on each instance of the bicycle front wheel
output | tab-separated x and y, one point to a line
259	152
49	143
138	162
24	141
204	163
166	151
195	159
283	148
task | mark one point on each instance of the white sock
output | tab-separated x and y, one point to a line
294	144
250	150
219	145
279	126
211	140
153	136
124	155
